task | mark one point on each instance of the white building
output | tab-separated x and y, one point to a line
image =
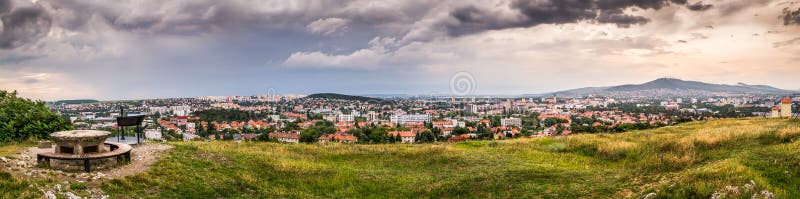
472	108
404	118
512	121
159	109
346	118
183	110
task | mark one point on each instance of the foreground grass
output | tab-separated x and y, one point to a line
735	157
18	186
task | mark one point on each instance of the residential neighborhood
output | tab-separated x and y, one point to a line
298	118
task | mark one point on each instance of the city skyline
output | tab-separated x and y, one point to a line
152	49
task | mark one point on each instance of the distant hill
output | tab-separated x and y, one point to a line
343	97
78	101
574	92
675	86
671	83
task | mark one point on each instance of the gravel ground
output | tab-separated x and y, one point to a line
24	164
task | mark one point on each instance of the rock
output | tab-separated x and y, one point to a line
717	195
732	189
21	163
71	195
24	156
50	195
764	194
98	176
83	175
4	159
649	196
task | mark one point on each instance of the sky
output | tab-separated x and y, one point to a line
79	49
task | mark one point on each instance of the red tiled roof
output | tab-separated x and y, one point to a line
338	136
403	133
786	101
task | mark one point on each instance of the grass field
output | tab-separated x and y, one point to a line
736	158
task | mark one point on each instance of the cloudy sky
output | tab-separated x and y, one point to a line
67	49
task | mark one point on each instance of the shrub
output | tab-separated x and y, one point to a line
21	119
77	186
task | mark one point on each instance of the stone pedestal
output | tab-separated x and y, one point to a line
80	141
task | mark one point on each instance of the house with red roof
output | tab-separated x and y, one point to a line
289	137
405	136
338	137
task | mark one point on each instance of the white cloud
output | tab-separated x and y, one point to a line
328	26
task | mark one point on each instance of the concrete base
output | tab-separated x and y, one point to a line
78	165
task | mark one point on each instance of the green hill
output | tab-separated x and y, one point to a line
78	101
734	157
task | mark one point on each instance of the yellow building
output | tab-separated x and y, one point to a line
786	107
775	112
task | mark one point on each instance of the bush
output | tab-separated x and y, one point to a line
22	119
77	186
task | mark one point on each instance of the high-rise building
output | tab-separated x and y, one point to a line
472	109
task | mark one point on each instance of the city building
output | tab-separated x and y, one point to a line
338	137
786	107
406	118
288	137
511	121
346	118
775	112
405	136
183	110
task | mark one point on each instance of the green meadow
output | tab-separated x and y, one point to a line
732	158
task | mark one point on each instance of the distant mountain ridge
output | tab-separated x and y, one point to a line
77	101
342	97
672	85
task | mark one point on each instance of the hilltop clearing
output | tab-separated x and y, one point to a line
732	158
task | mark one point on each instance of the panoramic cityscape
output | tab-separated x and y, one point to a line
399	99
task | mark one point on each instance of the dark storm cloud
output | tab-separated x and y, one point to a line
5	6
699	6
736	6
21	25
187	17
621	19
791	17
470	19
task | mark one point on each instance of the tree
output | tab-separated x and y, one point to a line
309	135
460	131
425	136
212	128
21	119
264	137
